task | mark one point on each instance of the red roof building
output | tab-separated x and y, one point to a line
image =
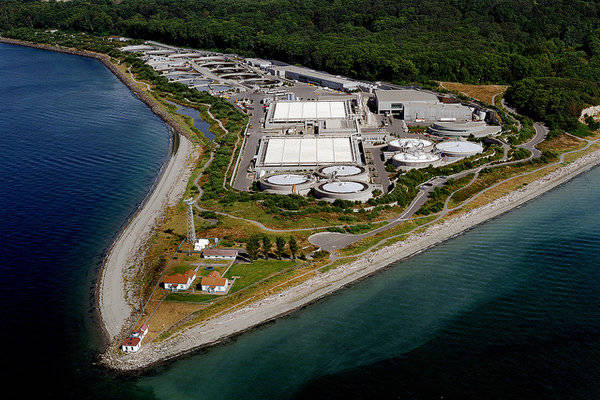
180	281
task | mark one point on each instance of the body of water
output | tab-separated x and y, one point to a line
508	310
199	123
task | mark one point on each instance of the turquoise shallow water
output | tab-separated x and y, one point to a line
507	310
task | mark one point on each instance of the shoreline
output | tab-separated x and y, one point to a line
114	315
225	327
114	308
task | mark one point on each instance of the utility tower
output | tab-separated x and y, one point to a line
191	229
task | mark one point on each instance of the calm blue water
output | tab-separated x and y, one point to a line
507	311
199	123
78	154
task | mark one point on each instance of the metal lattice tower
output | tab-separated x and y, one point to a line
191	229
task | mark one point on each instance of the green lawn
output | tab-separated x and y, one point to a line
193	298
254	272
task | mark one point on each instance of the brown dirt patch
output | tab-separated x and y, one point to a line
483	93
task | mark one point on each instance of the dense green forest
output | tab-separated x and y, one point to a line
477	41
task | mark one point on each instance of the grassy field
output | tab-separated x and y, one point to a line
250	273
484	93
190	297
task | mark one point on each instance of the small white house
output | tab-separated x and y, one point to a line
134	341
220	254
180	281
201	244
131	344
214	283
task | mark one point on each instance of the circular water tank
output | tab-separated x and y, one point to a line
344	171
457	148
287	179
344	190
415	160
409	144
287	183
343	187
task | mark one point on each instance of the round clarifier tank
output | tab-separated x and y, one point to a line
415	160
354	172
344	187
410	144
457	148
287	183
287	179
344	190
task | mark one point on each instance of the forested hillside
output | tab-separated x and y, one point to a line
477	41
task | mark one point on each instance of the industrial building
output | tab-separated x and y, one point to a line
306	75
300	152
334	116
419	106
297	111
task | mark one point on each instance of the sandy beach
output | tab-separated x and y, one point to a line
247	317
115	297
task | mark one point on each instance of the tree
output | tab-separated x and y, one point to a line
293	245
280	244
266	246
253	247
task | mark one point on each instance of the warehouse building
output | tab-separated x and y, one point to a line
306	151
298	111
312	117
318	78
419	106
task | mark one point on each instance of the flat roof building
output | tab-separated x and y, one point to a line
297	111
221	254
416	105
302	74
292	151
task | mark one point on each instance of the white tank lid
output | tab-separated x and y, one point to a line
287	179
342	170
457	146
416	157
343	187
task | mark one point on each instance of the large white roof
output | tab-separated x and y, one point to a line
308	150
343	187
302	110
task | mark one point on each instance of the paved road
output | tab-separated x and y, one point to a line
382	175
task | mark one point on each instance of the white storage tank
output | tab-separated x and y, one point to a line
344	190
457	148
416	160
287	183
409	145
344	171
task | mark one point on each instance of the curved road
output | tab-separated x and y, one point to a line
331	241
